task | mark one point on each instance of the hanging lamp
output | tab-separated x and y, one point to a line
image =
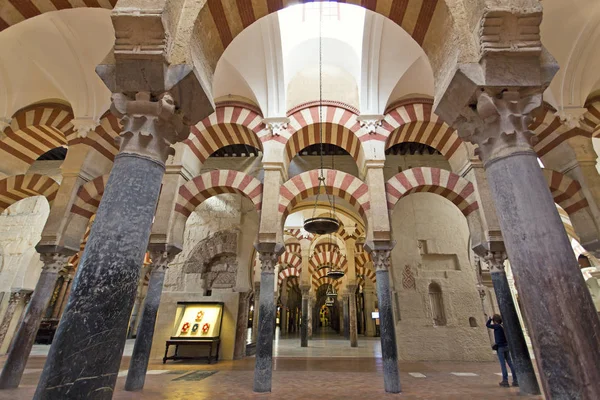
323	224
334	272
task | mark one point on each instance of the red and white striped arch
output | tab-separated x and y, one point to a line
337	183
367	272
290	259
433	180
550	131
293	248
286	273
592	117
18	187
37	129
362	258
316	284
415	121
102	138
298	234
566	192
317	260
89	196
327	247
15	11
195	191
340	127
228	125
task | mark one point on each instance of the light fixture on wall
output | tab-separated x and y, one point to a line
323	224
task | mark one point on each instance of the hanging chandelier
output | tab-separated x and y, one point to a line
322	224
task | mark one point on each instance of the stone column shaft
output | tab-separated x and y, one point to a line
556	303
346	310
255	311
517	345
389	351
241	331
353	321
138	366
13	302
85	356
61	297
305	317
264	346
311	305
25	335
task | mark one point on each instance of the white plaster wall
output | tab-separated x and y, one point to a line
435	221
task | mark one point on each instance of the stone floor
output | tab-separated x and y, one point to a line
328	369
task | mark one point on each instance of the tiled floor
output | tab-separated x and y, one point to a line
328	369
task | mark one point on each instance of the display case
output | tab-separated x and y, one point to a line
198	321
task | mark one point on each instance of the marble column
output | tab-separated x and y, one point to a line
283	321
138	304
305	317
255	311
241	329
62	294
13	301
346	310
353	333
26	299
311	304
25	335
556	303
389	351
517	345
85	356
264	346
136	375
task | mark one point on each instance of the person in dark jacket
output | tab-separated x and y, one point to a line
495	323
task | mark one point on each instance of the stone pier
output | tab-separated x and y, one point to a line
305	317
353	320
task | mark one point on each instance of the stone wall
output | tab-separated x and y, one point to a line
432	240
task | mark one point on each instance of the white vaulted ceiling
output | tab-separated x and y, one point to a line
275	60
52	57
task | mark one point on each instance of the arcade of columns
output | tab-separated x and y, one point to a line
491	96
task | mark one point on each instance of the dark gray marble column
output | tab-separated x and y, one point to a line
353	333
264	345
136	375
389	351
255	311
517	345
304	328
346	311
13	302
25	335
556	302
241	329
84	359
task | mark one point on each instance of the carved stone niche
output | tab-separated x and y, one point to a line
215	258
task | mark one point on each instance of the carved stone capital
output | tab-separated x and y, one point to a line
499	123
276	126
83	126
495	261
268	261
572	117
53	262
150	125
160	260
381	259
16	296
370	123
305	290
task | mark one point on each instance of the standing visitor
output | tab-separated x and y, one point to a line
501	348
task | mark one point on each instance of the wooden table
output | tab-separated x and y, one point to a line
186	342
